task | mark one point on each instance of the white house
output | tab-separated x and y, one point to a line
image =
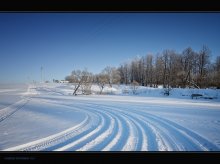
64	81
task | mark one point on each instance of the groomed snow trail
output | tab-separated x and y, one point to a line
11	109
127	125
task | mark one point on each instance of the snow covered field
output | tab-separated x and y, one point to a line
45	117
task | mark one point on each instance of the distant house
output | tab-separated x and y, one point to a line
64	81
60	81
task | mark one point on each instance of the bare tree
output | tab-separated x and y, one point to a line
141	70
203	61
168	60
158	78
187	67
128	73
174	68
166	68
214	73
134	87
149	70
124	72
112	74
134	70
217	70
78	78
102	80
87	84
121	70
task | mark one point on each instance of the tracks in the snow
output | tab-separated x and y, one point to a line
119	127
11	109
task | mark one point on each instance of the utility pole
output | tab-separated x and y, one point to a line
28	79
41	68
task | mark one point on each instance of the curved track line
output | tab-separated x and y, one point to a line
169	135
45	141
108	138
8	111
101	138
84	138
142	137
177	134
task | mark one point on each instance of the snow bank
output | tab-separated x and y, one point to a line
67	89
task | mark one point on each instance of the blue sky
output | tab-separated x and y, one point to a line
62	42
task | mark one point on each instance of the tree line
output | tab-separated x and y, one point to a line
171	69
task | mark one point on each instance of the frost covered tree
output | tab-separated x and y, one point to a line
134	87
87	84
101	80
112	75
170	69
79	78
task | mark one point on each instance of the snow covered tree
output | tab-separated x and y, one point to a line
87	84
101	80
112	74
134	87
79	78
187	69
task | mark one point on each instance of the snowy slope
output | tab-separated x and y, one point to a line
125	90
48	118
